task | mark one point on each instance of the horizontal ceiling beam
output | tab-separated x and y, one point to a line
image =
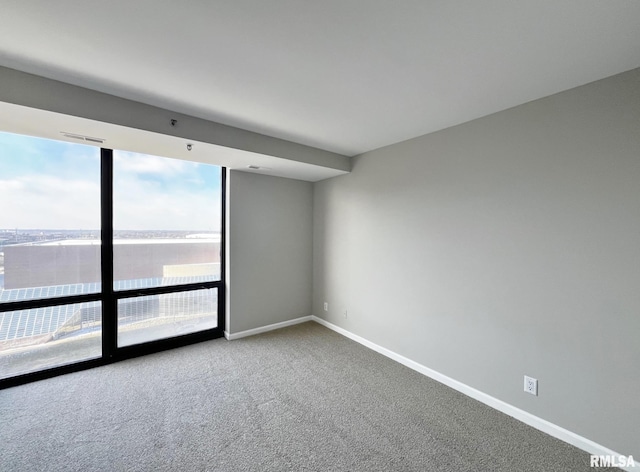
38	92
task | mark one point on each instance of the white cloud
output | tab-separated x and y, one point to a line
150	193
175	197
47	202
142	204
131	162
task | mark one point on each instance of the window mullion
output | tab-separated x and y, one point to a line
109	306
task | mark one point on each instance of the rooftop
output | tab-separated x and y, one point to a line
90	242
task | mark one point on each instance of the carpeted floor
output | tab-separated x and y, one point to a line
302	399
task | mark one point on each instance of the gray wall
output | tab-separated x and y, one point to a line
506	246
269	250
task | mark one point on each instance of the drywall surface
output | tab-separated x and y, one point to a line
33	91
269	250
506	246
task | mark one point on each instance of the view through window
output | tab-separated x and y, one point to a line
166	231
166	243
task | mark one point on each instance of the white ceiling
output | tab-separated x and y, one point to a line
347	76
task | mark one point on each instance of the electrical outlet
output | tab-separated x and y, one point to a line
344	313
531	385
326	306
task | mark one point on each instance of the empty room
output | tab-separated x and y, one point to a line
326	236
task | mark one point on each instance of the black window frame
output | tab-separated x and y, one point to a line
109	297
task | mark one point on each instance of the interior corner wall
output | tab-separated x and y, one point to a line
269	250
506	246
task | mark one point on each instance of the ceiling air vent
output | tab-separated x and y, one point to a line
82	138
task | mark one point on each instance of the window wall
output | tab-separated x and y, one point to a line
166	233
103	255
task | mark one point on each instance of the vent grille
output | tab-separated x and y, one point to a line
80	137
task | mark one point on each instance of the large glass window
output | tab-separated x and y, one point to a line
49	248
51	336
103	249
50	217
166	232
166	221
151	317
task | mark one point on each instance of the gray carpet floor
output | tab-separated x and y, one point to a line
302	399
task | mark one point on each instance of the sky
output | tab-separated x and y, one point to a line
47	184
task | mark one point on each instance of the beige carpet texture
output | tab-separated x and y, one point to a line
303	398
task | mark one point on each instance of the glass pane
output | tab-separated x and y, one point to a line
166	219
40	338
147	318
50	218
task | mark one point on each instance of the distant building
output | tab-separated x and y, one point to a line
78	261
72	267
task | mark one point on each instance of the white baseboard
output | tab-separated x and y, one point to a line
543	425
264	329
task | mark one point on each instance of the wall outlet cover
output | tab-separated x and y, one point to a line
531	385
